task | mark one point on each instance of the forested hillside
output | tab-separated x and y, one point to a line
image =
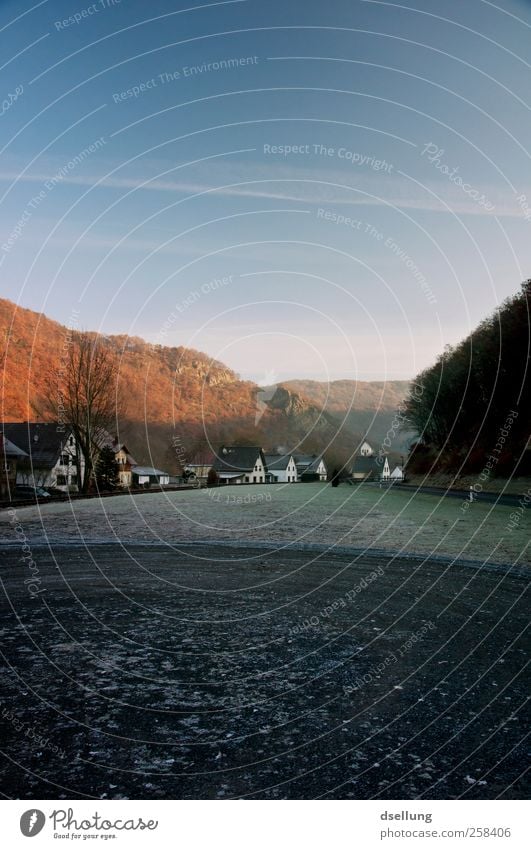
169	393
471	410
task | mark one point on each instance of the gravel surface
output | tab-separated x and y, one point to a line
222	671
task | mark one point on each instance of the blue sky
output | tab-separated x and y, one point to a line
274	184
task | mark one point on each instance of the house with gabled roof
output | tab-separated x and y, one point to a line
123	459
397	474
370	468
310	467
236	464
53	458
365	468
281	468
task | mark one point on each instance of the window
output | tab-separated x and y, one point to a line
247	478
71	440
254	478
73	480
61	480
64	459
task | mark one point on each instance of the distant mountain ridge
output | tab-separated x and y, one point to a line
338	395
178	390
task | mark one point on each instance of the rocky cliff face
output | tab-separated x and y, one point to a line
287	402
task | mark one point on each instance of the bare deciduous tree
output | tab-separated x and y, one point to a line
87	398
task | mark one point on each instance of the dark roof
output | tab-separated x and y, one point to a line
237	458
277	461
365	465
304	459
8	449
42	441
308	463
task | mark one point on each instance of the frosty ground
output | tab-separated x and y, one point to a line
364	517
324	643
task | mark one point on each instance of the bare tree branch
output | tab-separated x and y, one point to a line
85	396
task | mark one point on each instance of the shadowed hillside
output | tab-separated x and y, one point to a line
367	407
473	413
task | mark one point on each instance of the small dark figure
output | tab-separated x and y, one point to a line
336	477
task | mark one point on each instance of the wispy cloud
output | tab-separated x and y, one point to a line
282	182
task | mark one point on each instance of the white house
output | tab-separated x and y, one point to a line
281	468
310	468
235	464
366	450
53	457
397	474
